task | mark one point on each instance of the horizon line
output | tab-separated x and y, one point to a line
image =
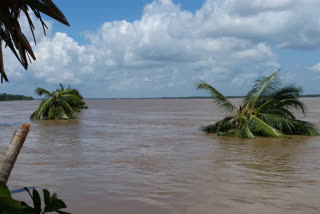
186	97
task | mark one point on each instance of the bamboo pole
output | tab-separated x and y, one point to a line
9	158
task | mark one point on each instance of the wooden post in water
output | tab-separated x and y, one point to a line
9	158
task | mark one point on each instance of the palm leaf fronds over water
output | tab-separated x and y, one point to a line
267	110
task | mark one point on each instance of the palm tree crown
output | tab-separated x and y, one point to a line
55	105
267	110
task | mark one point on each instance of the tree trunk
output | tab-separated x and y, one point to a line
9	158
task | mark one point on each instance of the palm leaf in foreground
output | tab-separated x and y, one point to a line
10	29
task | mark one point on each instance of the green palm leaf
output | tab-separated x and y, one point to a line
290	126
52	112
42	91
68	110
41	112
286	97
268	110
262	86
245	131
243	126
262	128
221	100
221	125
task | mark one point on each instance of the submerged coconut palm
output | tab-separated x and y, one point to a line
267	110
55	105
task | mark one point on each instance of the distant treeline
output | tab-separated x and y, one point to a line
191	97
11	97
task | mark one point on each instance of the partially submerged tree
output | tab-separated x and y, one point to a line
10	30
267	110
60	104
55	105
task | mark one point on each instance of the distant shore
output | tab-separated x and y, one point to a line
190	97
146	98
13	97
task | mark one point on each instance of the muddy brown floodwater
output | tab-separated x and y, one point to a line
149	156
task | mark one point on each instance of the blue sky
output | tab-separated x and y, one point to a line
162	48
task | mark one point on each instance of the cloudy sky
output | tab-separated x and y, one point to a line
162	48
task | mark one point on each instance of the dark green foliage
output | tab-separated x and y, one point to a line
77	103
267	110
10	97
54	106
60	104
10	30
8	205
51	203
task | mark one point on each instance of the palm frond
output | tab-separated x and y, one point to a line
241	122
262	128
77	93
221	100
290	126
234	132
42	91
286	97
10	30
262	87
42	111
245	132
51	113
73	97
219	126
68	110
35	115
61	87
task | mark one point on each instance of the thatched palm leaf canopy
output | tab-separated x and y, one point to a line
10	30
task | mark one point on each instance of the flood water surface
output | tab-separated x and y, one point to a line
149	156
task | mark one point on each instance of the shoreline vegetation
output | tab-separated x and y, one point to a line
14	97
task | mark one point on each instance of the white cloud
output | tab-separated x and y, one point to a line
59	59
168	50
315	67
285	23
